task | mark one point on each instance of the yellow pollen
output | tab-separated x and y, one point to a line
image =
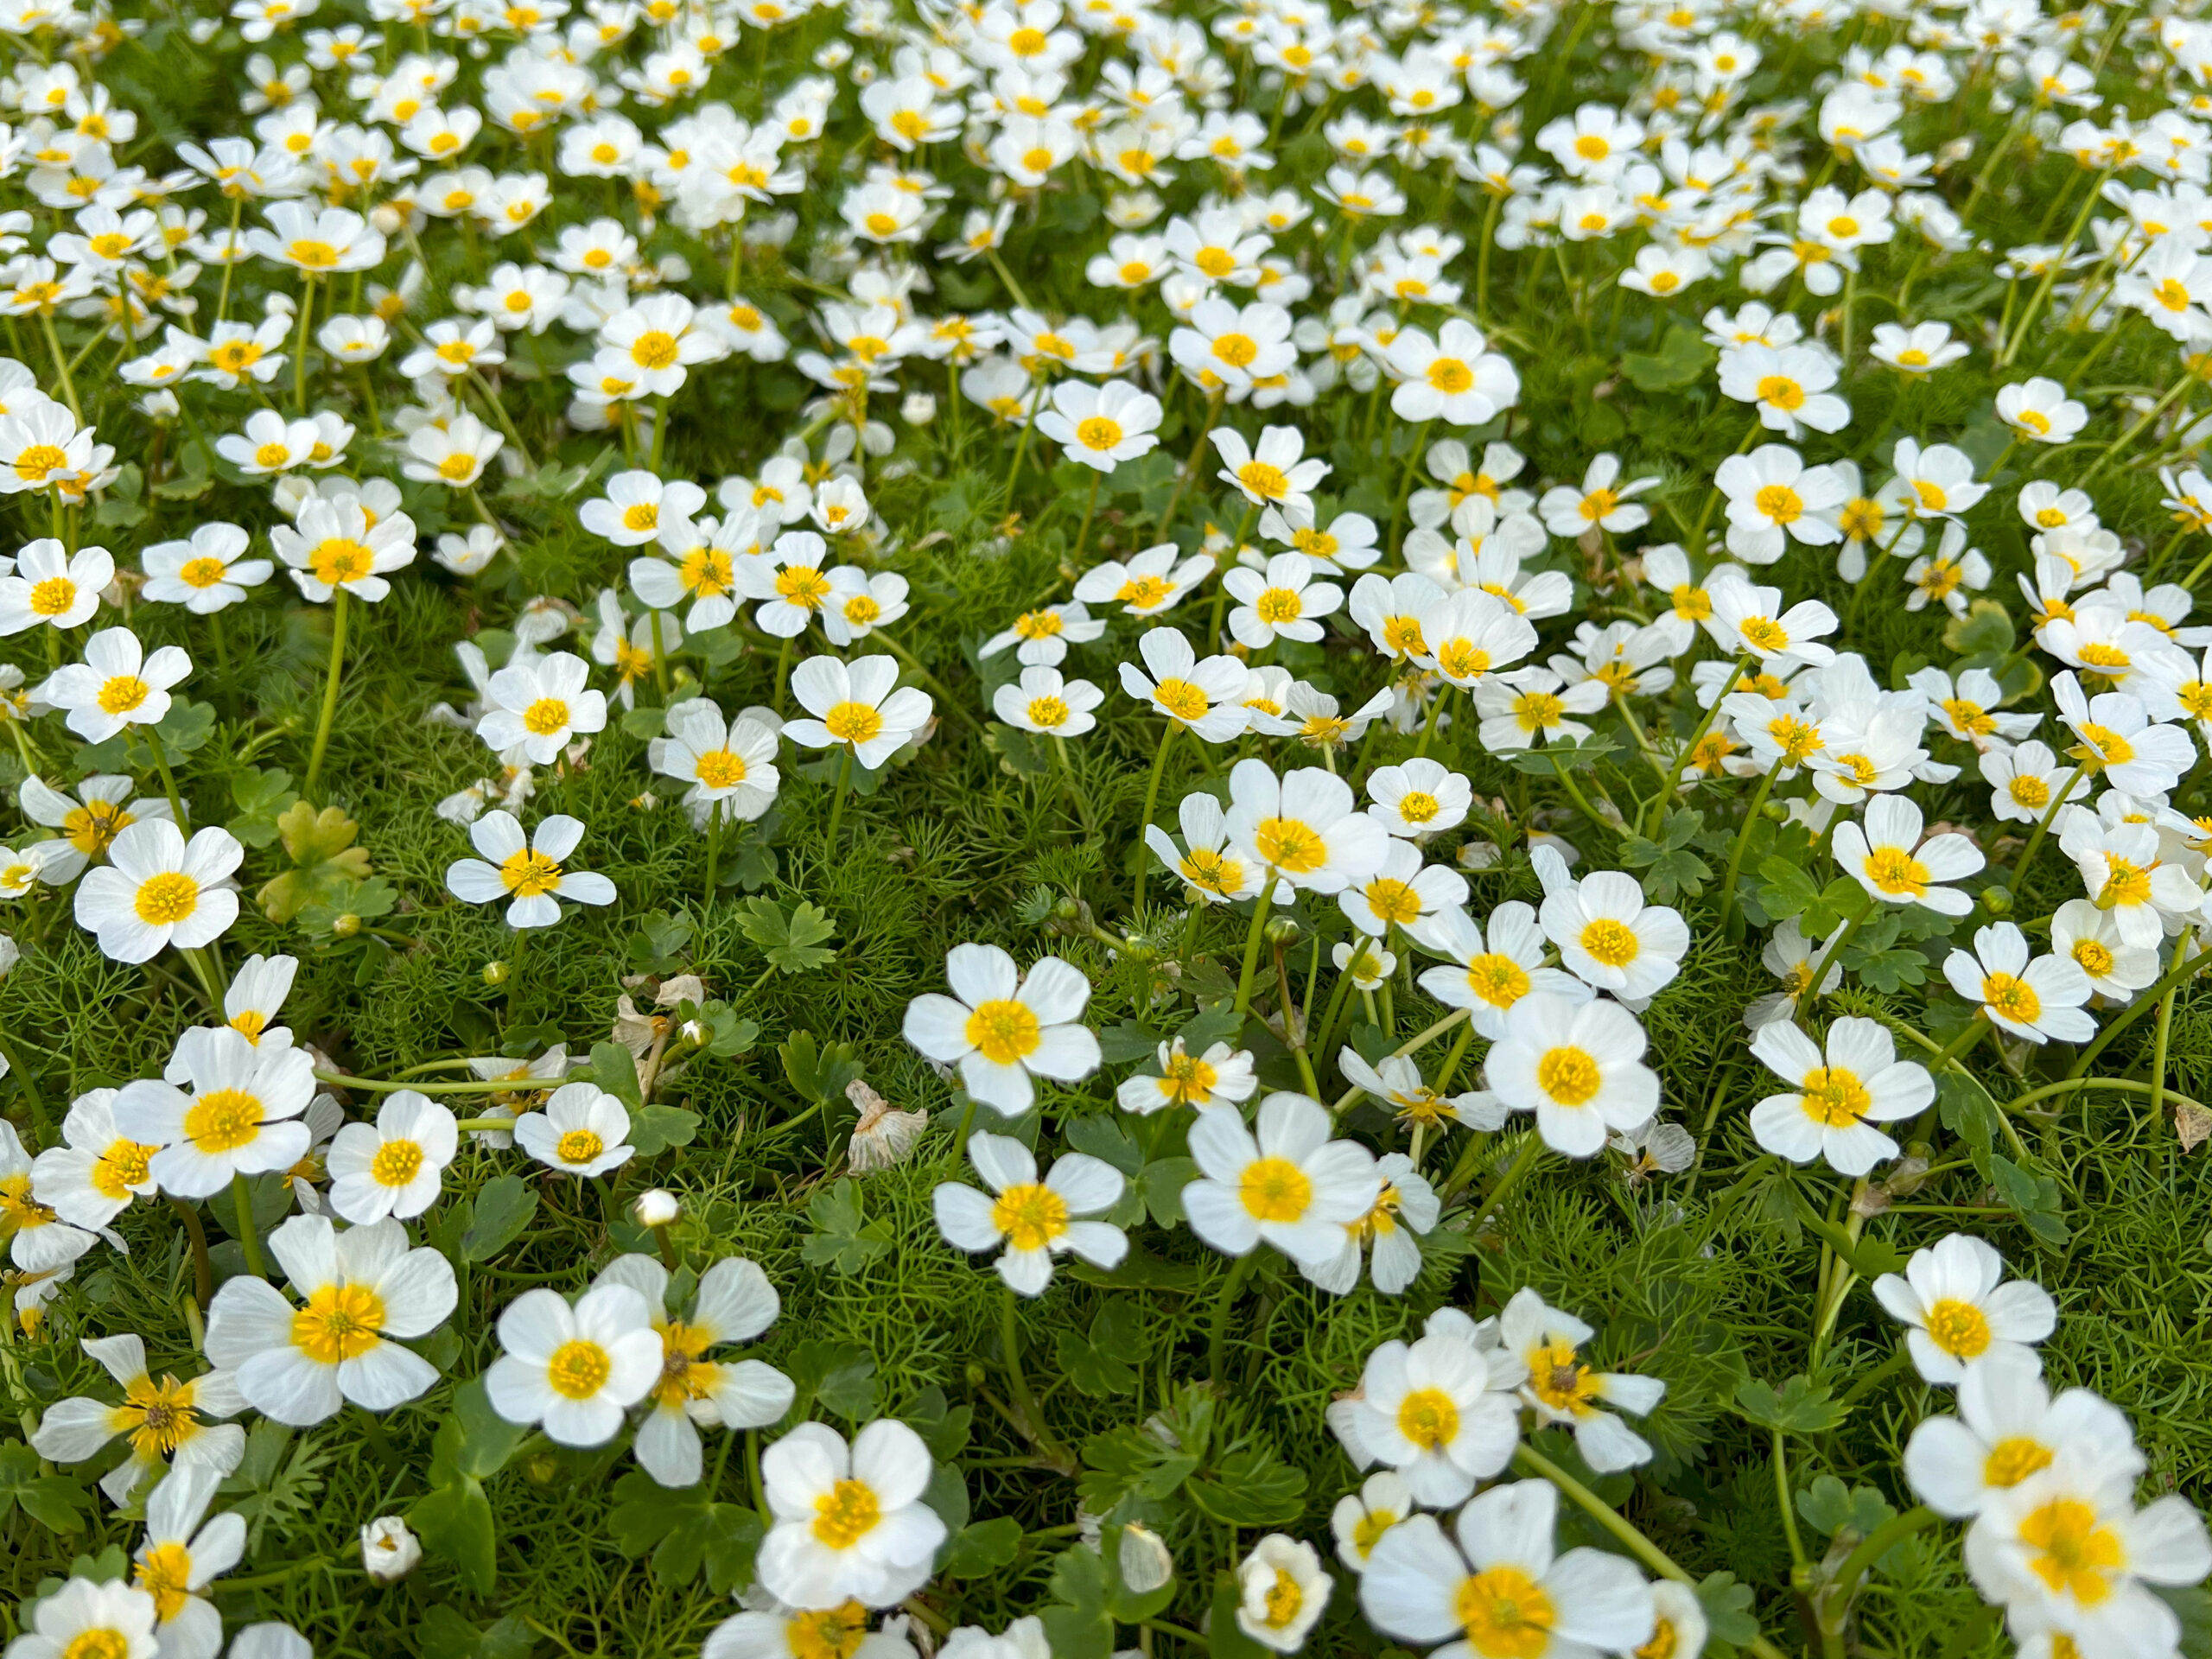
1030	1215
1274	1189
579	1369
341	1322
396	1163
223	1120
578	1147
1611	942
167	898
1003	1030
526	873
853	722
846	1513
2015	999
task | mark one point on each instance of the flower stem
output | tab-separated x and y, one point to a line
249	1240
1151	801
1252	944
1233	1287
838	801
338	599
1743	842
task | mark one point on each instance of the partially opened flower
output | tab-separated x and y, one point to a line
1361	1518
1960	1309
38	1240
363	1293
1220	1072
1003	1029
95	1174
847	1522
1285	1590
531	877
734	1302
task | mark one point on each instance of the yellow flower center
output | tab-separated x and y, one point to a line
545	716
1282	1601
578	1147
1031	1215
1611	942
1290	845
1047	712
53	596
396	1163
1098	433
2094	957
123	693
341	1322
166	899
1003	1030
2013	998
528	874
1394	900
1267	482
1274	1189
124	1165
2011	1461
1181	699
579	1369
202	573
831	1633
1780	392
1895	871
853	722
1959	1329
846	1513
720	769
641	514
165	1573
159	1416
2030	791
37	459
1569	1075
1428	1418
1538	711
1835	1096
2103	746
223	1120
654	349
2077	1557
1449	375
1276	606
1144	593
706	571
1780	503
340	560
1238	351
1505	1613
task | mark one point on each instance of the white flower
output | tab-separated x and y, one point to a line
1840	1094
2091	938
574	1370
1453	377
1601	502
2025	781
1303	829
2120	741
1034	1220
1418	798
1041	637
238	1118
2008	1427
1889	861
859	706
163	1421
362	1291
50	585
842	1630
638	506
581	1131
847	1522
1494	968
334	545
1283	601
1960	1314
116	686
83	1618
1186	1080
1774	499
539	706
1104	426
1579	1068
1503	1582
390	1549
1561	1388
1146	585
1361	1518
734	1302
1213	870
1401	892
1273	474
92	1178
1744	619
1283	1182
1045	702
730	765
2040	411
1203	697
180	1558
1607	936
1283	1588
394	1166
530	875
205	575
1004	1029
2040	1000
1439	1412
1789	386
1916	348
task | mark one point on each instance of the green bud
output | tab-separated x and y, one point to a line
496	973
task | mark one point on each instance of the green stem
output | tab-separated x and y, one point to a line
838	801
2180	386
1218	1342
1679	769
169	778
249	1240
1744	842
338	598
1252	944
2043	828
1151	801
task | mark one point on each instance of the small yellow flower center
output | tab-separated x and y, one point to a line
2078	1557
1290	845
1614	942
1569	1076
1895	871
2013	998
1238	351
396	1163
1450	376
1835	1096
853	722
122	693
528	874
1274	1189
341	1322
579	1369
578	1147
1780	503
202	573
1505	1613
52	596
340	560
1098	433
1003	1030
846	1513
2011	1461
223	1120
1269	483
722	769
1959	1329
1030	1215
545	716
166	899
1428	1418
654	349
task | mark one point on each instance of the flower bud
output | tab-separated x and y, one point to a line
656	1208
1144	1560
495	973
1281	930
919	408
1997	901
388	1551
346	927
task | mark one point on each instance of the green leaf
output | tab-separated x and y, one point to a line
817	1072
186	727
1967	1108
487	1439
1077	1623
1104	1363
792	944
1102	1137
1801	1408
982	1547
455	1521
844	1238
615	1070
1727	1607
261	796
1251	1487
1831	1507
2034	1198
1225	1637
321	847
1020	753
1784	889
504	1208
1127	1043
54	1501
1682	359
656	1129
1985	630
